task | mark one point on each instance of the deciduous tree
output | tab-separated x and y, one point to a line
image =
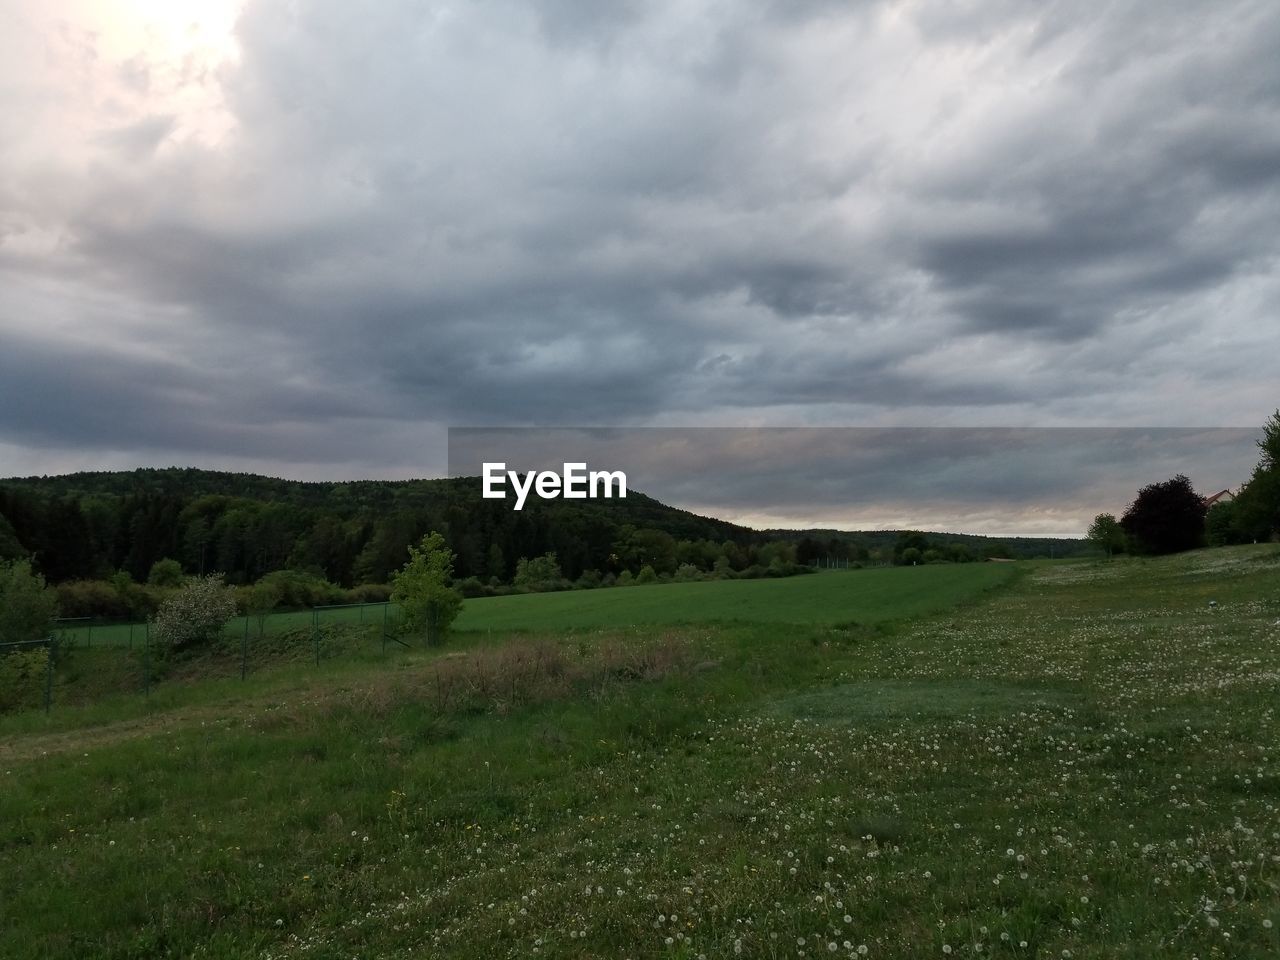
422	588
27	605
1166	517
1106	533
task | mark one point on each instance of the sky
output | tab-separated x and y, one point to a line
306	238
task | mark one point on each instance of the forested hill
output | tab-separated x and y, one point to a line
87	525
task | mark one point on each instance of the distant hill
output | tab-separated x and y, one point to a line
1018	547
88	525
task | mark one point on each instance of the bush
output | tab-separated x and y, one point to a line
165	573
27	606
22	678
646	575
140	602
194	615
687	573
92	598
472	587
1221	525
116	599
369	593
589	580
539	575
299	589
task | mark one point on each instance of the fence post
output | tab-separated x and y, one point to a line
244	648
315	632
131	636
51	651
89	642
146	660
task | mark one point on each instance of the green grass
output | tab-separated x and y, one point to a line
864	596
861	596
1081	764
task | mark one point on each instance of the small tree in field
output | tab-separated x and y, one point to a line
27	606
1105	532
422	589
264	597
195	615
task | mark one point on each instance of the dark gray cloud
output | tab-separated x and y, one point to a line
314	244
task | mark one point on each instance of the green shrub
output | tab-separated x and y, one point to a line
300	589
194	615
22	678
165	573
116	599
27	606
369	593
539	575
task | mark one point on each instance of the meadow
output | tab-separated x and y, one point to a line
836	596
867	596
1070	760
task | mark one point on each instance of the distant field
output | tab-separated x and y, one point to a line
864	596
837	596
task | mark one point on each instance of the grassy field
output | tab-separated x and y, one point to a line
868	596
862	596
1081	763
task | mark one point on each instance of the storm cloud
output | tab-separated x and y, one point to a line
306	238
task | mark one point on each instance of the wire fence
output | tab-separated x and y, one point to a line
98	632
85	659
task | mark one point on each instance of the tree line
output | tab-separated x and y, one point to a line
1170	516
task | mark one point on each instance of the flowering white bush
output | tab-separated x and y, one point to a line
194	615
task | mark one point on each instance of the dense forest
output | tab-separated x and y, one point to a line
93	525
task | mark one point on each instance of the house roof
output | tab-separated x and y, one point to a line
1222	496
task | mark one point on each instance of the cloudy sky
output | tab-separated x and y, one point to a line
304	237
